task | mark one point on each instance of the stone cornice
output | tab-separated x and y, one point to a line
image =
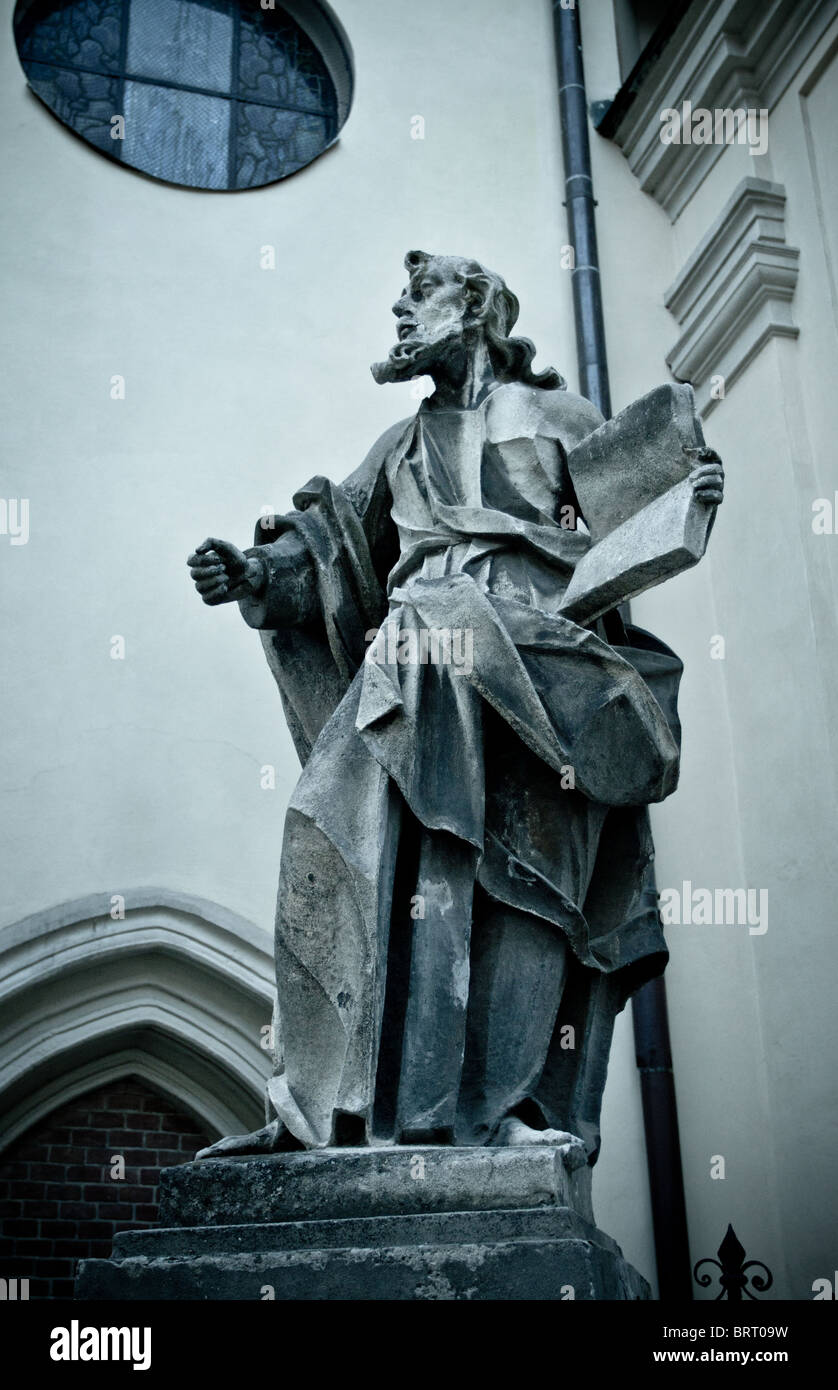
734	292
735	54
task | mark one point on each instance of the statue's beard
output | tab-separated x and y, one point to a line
415	356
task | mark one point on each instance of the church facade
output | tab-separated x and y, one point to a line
188	343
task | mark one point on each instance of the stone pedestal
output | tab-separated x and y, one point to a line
424	1223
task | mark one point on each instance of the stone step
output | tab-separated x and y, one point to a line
489	1270
334	1183
372	1232
371	1223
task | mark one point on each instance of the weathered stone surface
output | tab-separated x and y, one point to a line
522	1269
336	1183
632	479
362	1232
667	537
632	459
354	1224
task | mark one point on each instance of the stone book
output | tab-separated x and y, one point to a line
632	483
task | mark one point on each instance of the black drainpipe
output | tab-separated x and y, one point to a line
651	1026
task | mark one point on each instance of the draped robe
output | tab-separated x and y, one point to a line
518	779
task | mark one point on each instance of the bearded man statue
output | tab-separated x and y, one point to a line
461	906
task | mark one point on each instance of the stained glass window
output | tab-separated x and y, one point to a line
208	93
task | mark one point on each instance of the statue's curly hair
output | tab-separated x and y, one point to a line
496	308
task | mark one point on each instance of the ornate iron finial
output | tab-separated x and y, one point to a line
733	1278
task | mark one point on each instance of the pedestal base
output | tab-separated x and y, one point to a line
424	1223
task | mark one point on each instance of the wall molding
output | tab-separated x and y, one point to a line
177	992
738	53
735	291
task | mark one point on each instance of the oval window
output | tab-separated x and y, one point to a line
222	94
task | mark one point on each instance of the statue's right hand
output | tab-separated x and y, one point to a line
219	570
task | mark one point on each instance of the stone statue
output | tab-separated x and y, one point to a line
460	911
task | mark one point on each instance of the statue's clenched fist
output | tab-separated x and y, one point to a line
222	573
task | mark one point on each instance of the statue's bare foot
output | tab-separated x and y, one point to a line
274	1138
513	1133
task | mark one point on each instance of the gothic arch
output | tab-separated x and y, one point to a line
176	992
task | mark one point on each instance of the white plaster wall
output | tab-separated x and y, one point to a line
240	385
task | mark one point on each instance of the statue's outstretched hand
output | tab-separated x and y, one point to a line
221	572
707	476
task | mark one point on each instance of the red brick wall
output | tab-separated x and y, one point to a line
58	1201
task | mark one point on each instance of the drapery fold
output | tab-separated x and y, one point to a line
526	770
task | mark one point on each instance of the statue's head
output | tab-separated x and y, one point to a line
450	300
